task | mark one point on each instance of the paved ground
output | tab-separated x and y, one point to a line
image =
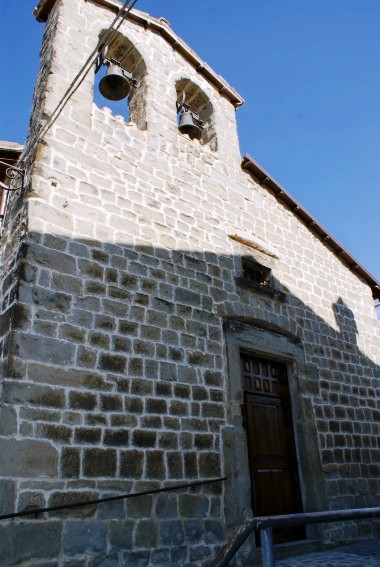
365	554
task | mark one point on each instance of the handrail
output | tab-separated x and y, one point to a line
35	511
266	523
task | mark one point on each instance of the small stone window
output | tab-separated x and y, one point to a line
255	272
258	277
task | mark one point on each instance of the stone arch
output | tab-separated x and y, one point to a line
200	103
125	52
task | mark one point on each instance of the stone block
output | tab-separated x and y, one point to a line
99	462
175	464
168	440
71	497
154	405
171	532
178	555
28	458
141	387
108	560
213	532
7	496
29	541
52	259
144	438
82	400
199	552
160	557
112	363
155	465
84	537
70	462
168	371
140	507
110	402
134	405
136	558
52	300
57	433
88	435
120	533
151	422
33	394
116	437
194	530
44	349
111	510
193	505
8	421
145	534
166	506
179	408
204	442
131	464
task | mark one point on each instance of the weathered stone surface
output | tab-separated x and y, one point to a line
70	462
28	541
7	496
84	537
69	497
166	506
33	394
171	532
146	533
193	505
120	533
140	507
28	458
99	462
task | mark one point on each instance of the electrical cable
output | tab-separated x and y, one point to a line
82	73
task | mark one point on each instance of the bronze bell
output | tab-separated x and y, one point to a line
115	85
189	125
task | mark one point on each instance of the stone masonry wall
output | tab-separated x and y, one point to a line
116	379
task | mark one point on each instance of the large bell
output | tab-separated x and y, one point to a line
188	125
114	85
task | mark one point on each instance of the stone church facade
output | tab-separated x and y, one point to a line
170	314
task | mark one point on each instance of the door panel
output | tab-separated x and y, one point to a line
271	447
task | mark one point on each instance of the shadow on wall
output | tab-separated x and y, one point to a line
121	348
121	312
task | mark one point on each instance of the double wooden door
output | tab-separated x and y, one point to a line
271	447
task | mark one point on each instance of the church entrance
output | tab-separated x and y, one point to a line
271	446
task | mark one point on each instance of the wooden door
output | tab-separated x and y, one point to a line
271	447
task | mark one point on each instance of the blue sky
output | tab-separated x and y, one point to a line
309	73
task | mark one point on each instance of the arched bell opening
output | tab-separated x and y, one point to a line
195	113
120	83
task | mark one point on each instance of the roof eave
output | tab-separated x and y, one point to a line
249	164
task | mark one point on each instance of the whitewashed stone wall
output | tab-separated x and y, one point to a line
116	377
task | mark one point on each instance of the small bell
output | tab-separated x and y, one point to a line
189	125
116	83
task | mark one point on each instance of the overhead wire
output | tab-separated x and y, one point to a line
82	73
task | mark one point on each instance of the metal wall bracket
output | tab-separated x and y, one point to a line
12	172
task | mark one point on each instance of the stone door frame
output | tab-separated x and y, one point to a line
302	379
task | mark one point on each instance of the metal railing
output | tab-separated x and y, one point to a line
266	523
34	511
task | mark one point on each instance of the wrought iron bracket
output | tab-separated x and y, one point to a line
12	172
